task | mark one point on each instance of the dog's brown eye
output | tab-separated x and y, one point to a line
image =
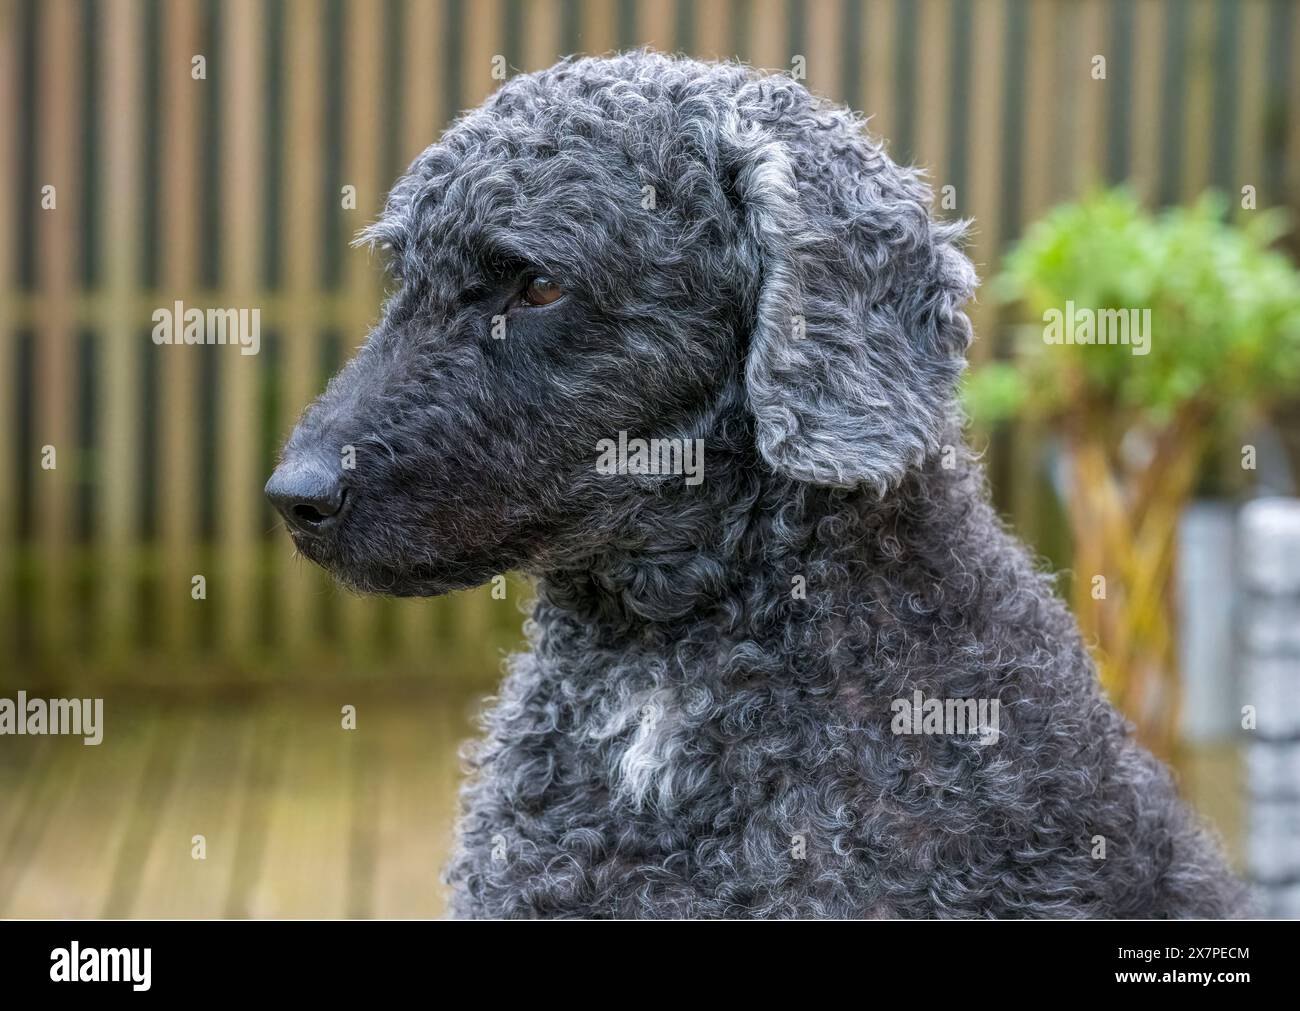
542	291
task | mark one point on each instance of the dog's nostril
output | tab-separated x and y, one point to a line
307	495
308	513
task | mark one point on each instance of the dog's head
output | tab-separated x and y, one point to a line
614	250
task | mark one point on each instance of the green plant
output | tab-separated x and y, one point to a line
1212	316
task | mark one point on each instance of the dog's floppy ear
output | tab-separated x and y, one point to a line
858	336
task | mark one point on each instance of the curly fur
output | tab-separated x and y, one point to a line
687	736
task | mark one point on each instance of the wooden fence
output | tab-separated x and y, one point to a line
128	181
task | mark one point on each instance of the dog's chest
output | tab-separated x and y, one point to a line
662	801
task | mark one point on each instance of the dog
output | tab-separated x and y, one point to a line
744	694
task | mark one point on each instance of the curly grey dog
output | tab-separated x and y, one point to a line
743	678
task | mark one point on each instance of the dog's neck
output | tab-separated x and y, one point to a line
749	561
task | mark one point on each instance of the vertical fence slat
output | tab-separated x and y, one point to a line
655	25
541	43
1091	39
482	41
985	160
180	104
1041	167
119	398
240	75
825	48
1292	102
9	197
58	164
1150	24
769	44
879	23
1197	121
1065	80
598	27
712	29
1252	43
934	71
422	105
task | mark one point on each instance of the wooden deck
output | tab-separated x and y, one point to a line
301	818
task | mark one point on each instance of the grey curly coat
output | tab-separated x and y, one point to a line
706	721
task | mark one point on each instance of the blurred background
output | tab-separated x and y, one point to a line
224	154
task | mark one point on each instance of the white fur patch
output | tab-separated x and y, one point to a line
644	765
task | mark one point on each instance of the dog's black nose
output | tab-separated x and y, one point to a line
307	493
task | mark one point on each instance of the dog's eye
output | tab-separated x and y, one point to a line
541	290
